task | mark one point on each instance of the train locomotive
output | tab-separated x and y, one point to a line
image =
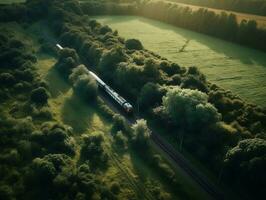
127	107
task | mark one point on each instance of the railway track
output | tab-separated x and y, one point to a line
174	155
140	191
180	160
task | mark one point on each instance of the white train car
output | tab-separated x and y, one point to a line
114	95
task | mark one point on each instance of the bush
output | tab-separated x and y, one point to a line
194	82
141	133
133	44
120	140
39	95
150	95
6	193
190	109
119	124
164	169
93	151
246	164
7	79
105	29
170	69
86	87
54	138
67	61
77	72
115	188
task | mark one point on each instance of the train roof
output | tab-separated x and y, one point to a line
59	46
100	81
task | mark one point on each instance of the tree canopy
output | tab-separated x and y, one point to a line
190	108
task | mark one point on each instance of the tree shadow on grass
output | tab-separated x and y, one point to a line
77	113
147	172
57	84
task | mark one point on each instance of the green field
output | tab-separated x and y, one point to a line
239	69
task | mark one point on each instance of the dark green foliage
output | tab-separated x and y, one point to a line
110	59
164	169
115	188
151	70
67	61
134	74
120	124
6	193
246	164
205	21
190	109
105	29
77	72
246	6
140	134
86	87
221	25
13	12
133	44
120	140
150	96
193	82
53	138
40	96
7	79
170	68
93	151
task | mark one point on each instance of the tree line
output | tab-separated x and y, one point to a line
223	25
257	7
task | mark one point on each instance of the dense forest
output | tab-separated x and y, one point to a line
37	157
257	7
222	25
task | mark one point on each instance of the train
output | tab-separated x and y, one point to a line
124	104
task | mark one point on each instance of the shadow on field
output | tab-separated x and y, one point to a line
148	173
230	50
57	84
77	114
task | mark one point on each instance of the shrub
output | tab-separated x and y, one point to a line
6	193
190	108
141	133
54	138
7	79
120	140
150	95
39	95
133	44
92	149
77	72
115	188
170	69
105	29
164	169
119	124
245	164
86	87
